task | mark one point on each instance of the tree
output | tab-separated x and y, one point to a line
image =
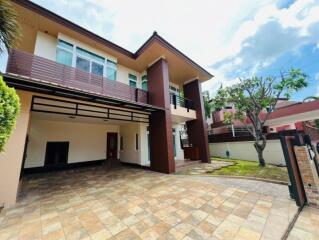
311	98
9	100
207	104
252	96
9	111
9	27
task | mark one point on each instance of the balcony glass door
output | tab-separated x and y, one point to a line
75	56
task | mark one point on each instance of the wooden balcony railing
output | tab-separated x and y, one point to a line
39	68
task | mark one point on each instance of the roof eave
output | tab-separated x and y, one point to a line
154	37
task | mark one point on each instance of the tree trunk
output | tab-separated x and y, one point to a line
261	159
260	144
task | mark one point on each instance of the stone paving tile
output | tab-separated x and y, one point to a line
127	203
306	226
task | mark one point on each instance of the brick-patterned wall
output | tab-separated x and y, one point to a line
308	174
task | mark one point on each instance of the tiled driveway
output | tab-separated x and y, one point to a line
127	203
306	226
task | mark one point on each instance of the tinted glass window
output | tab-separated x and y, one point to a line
111	70
65	45
64	57
89	55
83	64
97	69
133	84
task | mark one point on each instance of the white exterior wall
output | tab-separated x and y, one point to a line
11	157
179	150
45	46
87	141
144	147
129	154
86	47
245	151
122	75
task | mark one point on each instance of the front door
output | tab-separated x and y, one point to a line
56	153
111	152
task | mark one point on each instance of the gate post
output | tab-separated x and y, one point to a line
296	188
309	174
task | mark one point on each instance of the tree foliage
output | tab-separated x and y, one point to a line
9	27
254	95
207	104
9	111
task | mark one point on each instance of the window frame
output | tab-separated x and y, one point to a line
91	60
76	54
107	66
65	49
132	80
76	59
144	80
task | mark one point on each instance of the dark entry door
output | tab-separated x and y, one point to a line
56	153
111	152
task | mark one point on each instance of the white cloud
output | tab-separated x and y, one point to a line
230	38
203	31
271	33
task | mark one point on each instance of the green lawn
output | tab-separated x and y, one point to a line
252	169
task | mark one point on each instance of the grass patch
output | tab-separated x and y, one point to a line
251	169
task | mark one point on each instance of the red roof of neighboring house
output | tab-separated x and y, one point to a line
297	108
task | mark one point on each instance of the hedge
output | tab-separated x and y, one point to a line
9	111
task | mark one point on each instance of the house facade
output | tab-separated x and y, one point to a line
288	115
85	100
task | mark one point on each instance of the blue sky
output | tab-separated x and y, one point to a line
249	38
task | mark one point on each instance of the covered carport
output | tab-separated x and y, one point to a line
41	101
64	133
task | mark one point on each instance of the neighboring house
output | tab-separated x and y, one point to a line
86	99
288	115
236	142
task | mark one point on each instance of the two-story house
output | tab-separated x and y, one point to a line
85	99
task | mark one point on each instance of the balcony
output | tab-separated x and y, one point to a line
41	70
182	109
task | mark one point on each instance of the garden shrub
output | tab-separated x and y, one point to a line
9	111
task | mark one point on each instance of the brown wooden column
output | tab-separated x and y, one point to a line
161	139
196	129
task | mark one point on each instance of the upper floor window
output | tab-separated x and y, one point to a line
144	83
111	70
64	53
75	56
174	90
89	62
133	80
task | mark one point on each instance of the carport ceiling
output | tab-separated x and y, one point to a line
78	119
73	110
